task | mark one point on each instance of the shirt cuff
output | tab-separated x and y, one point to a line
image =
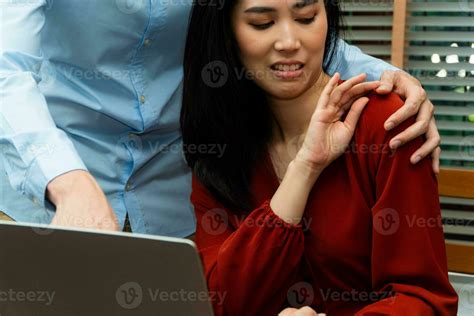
273	220
45	168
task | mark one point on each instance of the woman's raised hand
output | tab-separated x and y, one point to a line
327	137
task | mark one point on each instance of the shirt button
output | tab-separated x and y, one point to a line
128	187
147	42
142	99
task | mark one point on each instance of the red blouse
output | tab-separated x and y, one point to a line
370	242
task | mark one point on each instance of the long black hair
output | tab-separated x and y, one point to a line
222	107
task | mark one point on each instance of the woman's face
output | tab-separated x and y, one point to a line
281	43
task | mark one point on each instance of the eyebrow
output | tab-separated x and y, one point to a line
298	5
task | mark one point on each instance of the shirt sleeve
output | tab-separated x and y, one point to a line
34	150
249	260
408	259
350	61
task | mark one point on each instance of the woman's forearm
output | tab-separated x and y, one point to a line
289	201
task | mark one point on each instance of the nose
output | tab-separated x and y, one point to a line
287	39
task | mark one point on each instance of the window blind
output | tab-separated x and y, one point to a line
368	25
440	53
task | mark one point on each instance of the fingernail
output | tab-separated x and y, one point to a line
389	126
396	144
417	159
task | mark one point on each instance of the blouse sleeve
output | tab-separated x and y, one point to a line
249	261
408	249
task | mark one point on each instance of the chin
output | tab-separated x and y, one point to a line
286	91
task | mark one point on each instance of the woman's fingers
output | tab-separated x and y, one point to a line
358	91
328	89
354	114
303	311
342	89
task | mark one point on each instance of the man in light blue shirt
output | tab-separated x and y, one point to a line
90	101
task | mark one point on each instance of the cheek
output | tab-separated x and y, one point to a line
318	42
252	48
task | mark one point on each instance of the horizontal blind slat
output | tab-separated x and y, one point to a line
384	50
455	126
442	6
366	7
456	200
440	21
369	35
428	65
376	21
442	36
463	141
414	50
451	96
456	155
453	110
447	82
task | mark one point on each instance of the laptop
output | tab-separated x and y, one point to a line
47	271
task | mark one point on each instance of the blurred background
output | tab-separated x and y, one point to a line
434	41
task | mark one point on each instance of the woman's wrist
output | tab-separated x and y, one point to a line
289	201
308	171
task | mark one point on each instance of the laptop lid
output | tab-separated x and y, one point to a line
48	271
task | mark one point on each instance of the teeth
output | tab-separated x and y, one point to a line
287	67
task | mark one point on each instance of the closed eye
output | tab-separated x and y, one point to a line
262	26
267	25
307	21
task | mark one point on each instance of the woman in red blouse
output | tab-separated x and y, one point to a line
307	205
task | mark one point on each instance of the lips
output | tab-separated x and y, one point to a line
287	70
283	67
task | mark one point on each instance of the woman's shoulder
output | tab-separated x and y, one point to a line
379	108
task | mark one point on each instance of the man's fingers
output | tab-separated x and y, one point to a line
416	100
387	82
432	143
412	132
435	156
354	114
426	149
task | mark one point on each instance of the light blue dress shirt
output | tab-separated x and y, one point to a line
96	85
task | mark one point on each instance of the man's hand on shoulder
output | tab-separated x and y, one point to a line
416	103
